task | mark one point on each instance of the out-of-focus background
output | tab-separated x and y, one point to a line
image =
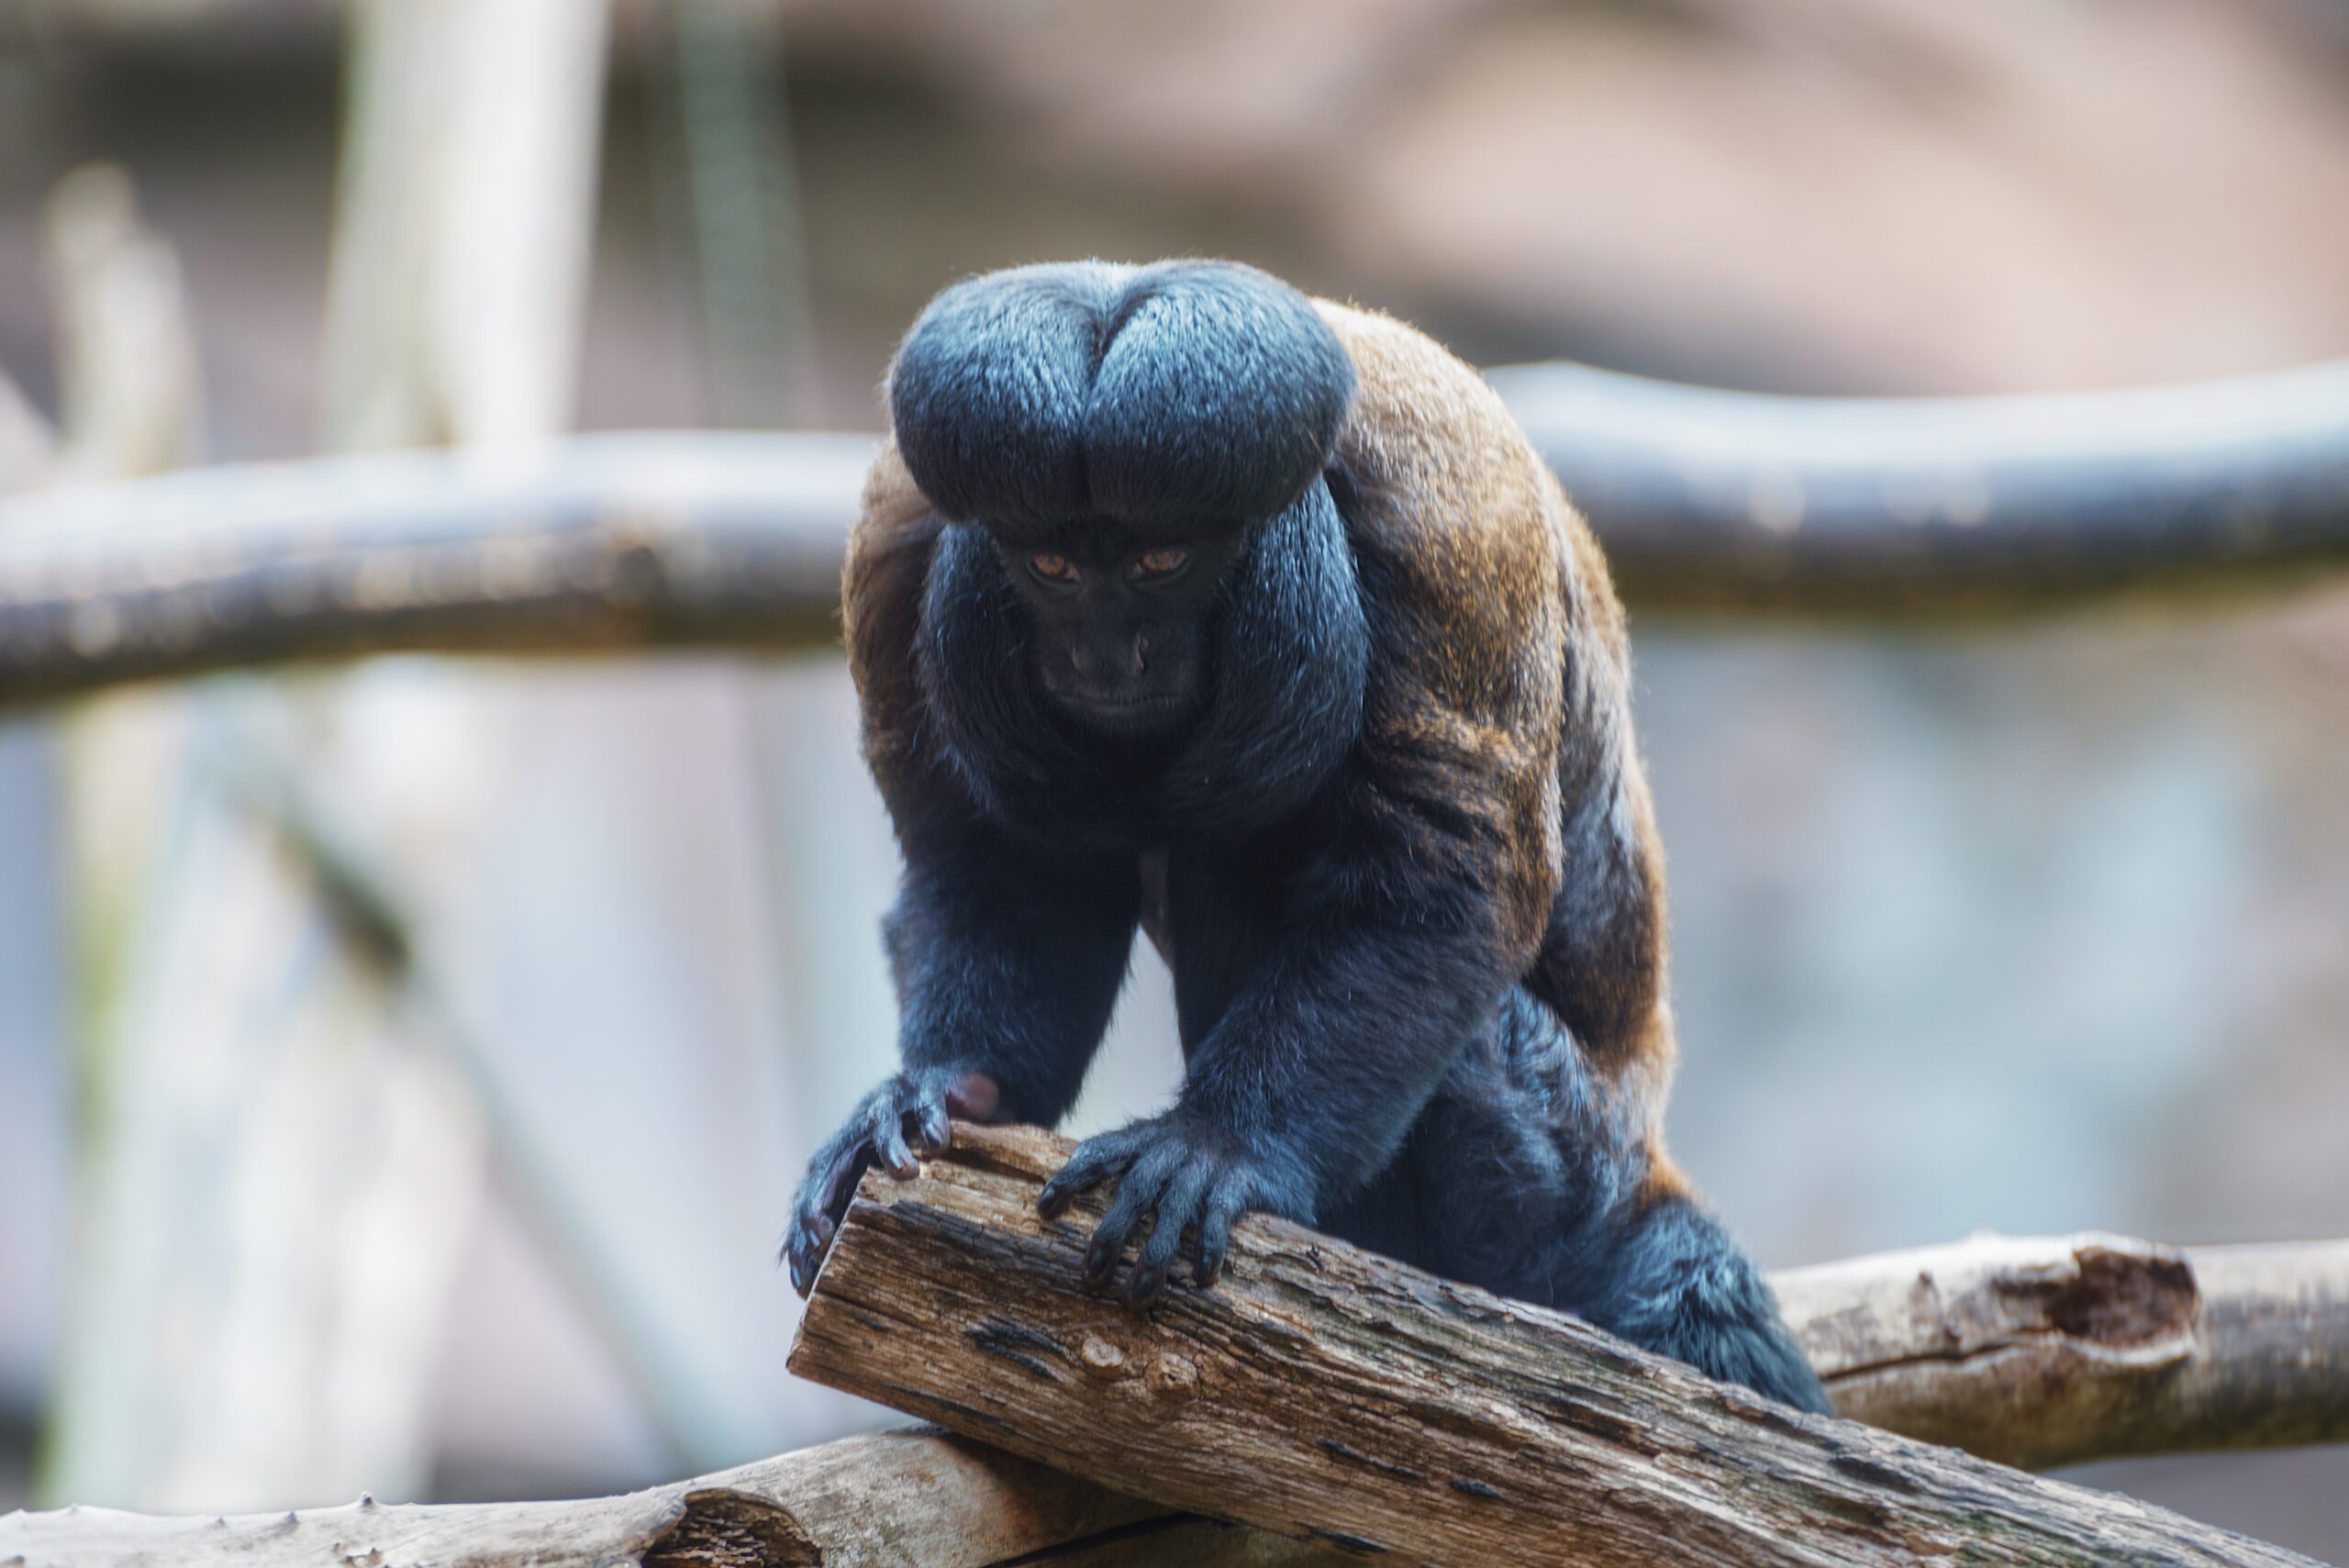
404	1070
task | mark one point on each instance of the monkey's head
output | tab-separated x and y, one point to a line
1121	434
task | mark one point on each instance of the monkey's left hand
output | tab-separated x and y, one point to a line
1182	1171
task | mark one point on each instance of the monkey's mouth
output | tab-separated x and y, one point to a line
1125	714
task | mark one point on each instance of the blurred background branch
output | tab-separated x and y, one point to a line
1707	501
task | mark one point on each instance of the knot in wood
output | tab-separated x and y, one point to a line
1173	1378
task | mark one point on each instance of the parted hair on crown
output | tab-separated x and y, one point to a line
1181	392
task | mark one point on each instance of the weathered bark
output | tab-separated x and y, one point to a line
2016	1347
1705	501
1330	1395
897	1500
2041	1353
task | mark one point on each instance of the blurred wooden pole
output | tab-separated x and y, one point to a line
131	401
131	397
1711	501
464	221
1706	501
131	394
278	1097
29	457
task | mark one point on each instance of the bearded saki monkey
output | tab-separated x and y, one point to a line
1180	601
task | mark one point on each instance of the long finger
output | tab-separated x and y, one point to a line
845	1164
1215	1238
1095	1162
889	1145
1177	1207
804	1248
931	1132
824	1197
1138	1193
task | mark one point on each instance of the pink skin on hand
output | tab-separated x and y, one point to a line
975	1098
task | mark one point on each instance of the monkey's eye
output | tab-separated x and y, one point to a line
1052	567
1162	562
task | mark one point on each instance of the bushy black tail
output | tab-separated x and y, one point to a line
1679	1286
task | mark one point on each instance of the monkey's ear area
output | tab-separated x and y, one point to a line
1220	394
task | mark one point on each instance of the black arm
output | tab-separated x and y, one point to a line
1392	943
1007	959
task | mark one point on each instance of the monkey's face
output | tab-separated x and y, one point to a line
1121	619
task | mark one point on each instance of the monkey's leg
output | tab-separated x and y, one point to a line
1528	1175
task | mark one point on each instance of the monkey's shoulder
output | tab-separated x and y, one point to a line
881	588
1427	433
1462	533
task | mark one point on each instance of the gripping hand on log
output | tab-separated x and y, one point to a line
900	1123
1182	1175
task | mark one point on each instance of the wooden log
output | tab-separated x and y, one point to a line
1334	1396
897	1500
2047	1351
1990	1343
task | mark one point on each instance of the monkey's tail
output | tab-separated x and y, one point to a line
1680	1286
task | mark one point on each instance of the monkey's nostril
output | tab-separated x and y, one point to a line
1141	652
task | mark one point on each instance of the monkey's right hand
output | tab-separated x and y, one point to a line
898	1125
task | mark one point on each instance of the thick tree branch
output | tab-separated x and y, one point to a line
2041	1353
2033	1351
1705	500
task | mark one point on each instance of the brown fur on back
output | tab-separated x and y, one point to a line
1518	659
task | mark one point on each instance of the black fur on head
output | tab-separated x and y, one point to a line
1178	393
